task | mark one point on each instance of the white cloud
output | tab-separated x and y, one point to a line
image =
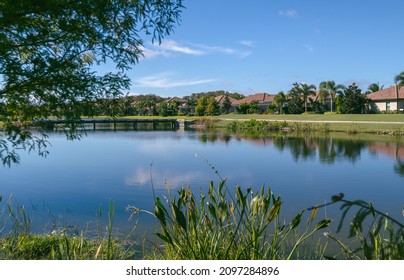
165	80
172	48
149	53
224	50
288	13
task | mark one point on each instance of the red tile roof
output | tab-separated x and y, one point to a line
389	93
260	97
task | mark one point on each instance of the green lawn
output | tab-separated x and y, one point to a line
372	123
317	117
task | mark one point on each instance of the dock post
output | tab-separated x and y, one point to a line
181	124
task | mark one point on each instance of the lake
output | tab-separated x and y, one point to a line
78	178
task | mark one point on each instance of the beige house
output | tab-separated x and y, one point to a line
388	99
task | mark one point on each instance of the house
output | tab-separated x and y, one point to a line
220	99
262	100
388	99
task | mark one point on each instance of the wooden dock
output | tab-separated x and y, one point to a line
111	123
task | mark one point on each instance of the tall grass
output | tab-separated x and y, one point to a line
18	242
223	225
378	235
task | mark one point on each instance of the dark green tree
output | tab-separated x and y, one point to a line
280	100
305	91
226	105
200	108
253	108
162	109
48	50
212	107
352	101
295	101
243	108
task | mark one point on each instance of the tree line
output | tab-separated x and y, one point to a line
328	96
301	98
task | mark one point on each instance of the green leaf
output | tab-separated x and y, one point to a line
222	211
212	210
323	224
160	211
274	211
164	237
241	199
180	217
296	220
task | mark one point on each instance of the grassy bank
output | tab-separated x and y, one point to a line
379	124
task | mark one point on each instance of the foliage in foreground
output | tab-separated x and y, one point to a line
379	236
248	226
62	244
220	225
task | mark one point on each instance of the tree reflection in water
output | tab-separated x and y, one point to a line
328	147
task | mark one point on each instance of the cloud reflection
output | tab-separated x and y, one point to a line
143	177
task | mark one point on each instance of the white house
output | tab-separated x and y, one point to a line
388	99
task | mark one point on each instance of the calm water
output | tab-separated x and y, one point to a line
68	187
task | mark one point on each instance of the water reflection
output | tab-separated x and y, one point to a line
121	166
399	167
328	148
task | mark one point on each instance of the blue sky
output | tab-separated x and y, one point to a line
251	46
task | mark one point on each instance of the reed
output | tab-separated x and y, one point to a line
220	225
18	242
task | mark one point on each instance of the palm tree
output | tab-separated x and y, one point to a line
329	88
374	88
399	79
280	100
305	91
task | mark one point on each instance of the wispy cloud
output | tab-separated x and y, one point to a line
222	50
247	43
166	80
141	177
168	48
172	48
289	13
